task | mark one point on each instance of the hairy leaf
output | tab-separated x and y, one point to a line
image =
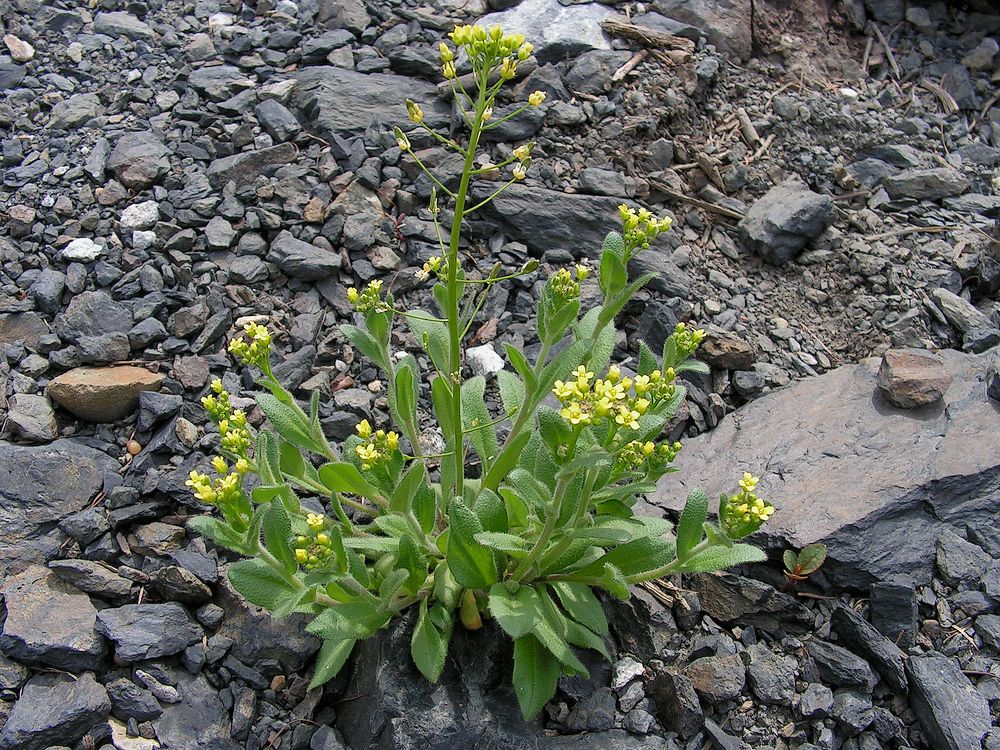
338	476
536	674
262	585
720	558
471	563
811	558
503	542
689	529
333	654
481	433
350	620
277	533
429	643
516	613
511	390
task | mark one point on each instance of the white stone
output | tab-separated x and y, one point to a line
167	99
218	21
20	50
143	239
75	52
82	249
139	216
484	360
279	90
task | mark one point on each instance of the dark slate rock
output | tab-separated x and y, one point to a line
129	701
816	702
119	23
243	168
960	561
39	486
277	120
927	184
139	159
988	628
893	610
771	676
781	222
93	577
717	678
858	635
839	667
54	708
199	721
337	101
595	713
302	259
156	407
913	474
50	623
642	626
951	712
853	711
147	631
676	702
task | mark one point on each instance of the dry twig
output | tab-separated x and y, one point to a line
697	202
646	36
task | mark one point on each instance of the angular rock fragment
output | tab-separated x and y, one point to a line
912	377
781	222
54	708
147	631
952	714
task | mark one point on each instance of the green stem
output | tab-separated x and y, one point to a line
581	510
454	294
271	560
674	566
551	517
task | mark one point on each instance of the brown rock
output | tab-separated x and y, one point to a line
724	351
912	377
717	678
102	394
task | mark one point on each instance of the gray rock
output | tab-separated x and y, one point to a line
219	82
93	577
248	269
595	713
277	120
139	159
951	712
119	23
92	314
959	561
781	222
988	629
32	418
557	31
594	181
839	667
199	721
642	626
961	313
50	623
887	518
316	49
677	706
933	183
726	23
912	377
54	708
981	58
592	71
771	676
853	711
302	259
243	168
147	631
39	486
816	702
73	112
156	407
717	678
863	639
337	101
129	701
219	233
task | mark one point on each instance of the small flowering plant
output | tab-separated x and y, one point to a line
520	524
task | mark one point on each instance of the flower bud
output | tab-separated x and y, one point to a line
525	51
522	152
508	69
446	54
487	114
401	140
519	171
536	98
448	70
413	110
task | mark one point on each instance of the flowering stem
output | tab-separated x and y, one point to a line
551	517
493	195
454	294
504	119
581	510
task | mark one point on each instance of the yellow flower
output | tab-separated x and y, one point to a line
217	386
220	465
301	556
446	54
519	172
401	140
487	114
352	295
448	69
582	272
536	98
508	69
522	152
364	429
414	112
392	441
525	51
315	521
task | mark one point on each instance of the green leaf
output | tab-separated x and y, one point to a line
441	398
405	391
689	529
219	533
402	498
339	476
377	544
790	559
289	423
277	533
413	560
429	644
519	363
581	605
290	459
481	433
716	536
490	510
352	620
511	391
536	675
612	275
516	613
614	306
578	635
811	558
365	343
391	585
503	542
613	581
647	360
637	556
551	632
471	563
333	654
555	431
262	585
693	365
720	558
529	489
433	336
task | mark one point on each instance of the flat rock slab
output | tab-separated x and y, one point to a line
39	486
556	30
953	715
103	394
50	623
340	101
243	168
54	709
846	468
147	631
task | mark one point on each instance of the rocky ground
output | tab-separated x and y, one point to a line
172	169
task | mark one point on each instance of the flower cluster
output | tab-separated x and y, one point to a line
640	227
236	437
254	348
436	265
488	49
225	489
378	446
368	299
564	285
646	456
314	549
744	513
658	386
687	341
608	398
